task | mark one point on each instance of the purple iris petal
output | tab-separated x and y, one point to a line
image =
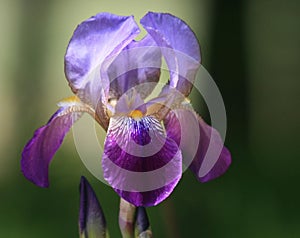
150	198
39	151
141	164
93	41
183	58
138	63
224	160
184	126
91	218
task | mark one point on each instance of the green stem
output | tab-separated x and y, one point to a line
126	219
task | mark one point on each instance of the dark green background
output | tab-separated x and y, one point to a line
252	50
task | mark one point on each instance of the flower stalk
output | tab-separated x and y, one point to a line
133	221
127	219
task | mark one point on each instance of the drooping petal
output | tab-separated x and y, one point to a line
206	169
92	222
180	48
40	149
149	198
93	41
140	163
202	146
137	64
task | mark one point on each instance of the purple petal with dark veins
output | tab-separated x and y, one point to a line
93	41
182	52
202	147
138	63
39	151
92	222
150	198
140	163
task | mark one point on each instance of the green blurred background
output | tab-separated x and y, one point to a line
252	50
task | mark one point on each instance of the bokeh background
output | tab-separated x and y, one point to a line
252	50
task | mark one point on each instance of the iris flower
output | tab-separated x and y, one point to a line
149	142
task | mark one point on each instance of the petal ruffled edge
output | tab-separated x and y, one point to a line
149	198
97	39
180	48
40	149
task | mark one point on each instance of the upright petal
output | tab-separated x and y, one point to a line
140	163
93	41
128	102
202	147
180	48
39	151
138	65
92	222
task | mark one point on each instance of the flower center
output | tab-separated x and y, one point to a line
136	114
